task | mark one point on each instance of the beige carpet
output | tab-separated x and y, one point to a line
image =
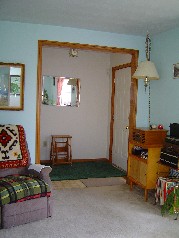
57	185
98	182
91	182
100	212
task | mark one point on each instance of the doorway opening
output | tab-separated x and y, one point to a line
133	90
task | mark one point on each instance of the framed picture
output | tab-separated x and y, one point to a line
12	86
176	70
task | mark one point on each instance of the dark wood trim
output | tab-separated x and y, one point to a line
112	115
122	66
38	103
90	160
78	160
86	47
133	92
45	162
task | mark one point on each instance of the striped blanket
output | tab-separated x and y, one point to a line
17	188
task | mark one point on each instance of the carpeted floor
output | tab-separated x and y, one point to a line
90	182
98	182
58	185
100	212
85	170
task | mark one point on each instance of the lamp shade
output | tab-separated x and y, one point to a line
146	69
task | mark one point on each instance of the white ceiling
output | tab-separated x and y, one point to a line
134	17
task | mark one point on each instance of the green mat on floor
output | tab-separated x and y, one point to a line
85	170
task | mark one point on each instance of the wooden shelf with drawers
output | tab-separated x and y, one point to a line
144	172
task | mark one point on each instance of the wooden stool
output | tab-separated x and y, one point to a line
61	152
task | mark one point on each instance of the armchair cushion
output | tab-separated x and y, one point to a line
24	192
18	188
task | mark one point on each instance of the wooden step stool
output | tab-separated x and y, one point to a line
61	152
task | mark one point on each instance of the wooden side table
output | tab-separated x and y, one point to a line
144	171
61	151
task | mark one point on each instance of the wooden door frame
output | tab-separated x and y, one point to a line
133	90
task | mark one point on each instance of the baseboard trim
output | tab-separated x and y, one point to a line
78	160
45	162
89	160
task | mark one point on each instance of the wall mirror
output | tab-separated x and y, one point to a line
60	91
12	86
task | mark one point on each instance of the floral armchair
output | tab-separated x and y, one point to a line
25	189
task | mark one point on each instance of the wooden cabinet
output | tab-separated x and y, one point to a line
144	172
138	170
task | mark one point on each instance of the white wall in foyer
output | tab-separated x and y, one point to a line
87	124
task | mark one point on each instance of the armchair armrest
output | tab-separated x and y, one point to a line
41	171
37	167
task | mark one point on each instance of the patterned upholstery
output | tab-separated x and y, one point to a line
164	186
13	149
18	188
24	190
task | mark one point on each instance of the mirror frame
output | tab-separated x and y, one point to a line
21	104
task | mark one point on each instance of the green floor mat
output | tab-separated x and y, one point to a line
85	170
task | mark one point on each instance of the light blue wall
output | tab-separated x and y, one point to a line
19	43
165	91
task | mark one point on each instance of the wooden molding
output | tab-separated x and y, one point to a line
38	103
77	160
86	47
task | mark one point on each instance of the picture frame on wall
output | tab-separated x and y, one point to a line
12	77
176	70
